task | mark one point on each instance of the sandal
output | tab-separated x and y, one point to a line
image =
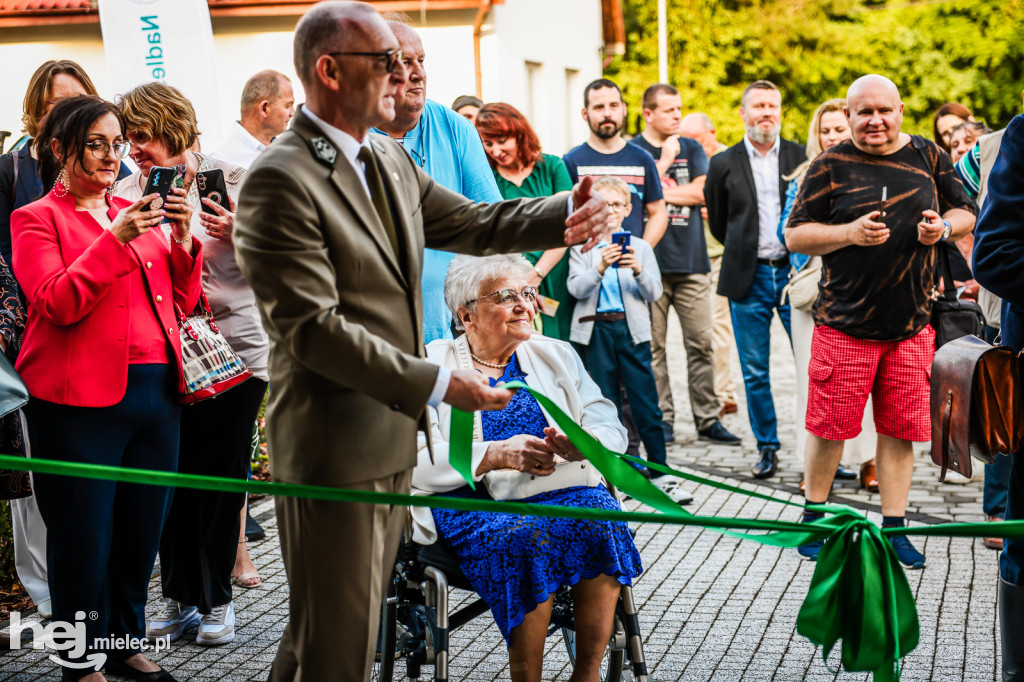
244	579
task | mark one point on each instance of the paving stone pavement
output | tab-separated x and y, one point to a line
712	607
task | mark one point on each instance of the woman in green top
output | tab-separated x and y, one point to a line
521	170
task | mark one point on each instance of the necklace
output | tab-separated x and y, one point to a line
488	364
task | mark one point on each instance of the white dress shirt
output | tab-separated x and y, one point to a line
765	168
349	148
240	148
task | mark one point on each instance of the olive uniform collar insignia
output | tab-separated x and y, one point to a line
323	149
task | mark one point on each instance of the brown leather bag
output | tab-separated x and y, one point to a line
976	404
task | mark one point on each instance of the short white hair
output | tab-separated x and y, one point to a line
466	274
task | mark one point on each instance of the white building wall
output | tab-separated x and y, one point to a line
548	51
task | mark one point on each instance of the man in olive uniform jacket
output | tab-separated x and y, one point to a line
330	233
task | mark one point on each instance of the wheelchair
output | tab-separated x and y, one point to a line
416	621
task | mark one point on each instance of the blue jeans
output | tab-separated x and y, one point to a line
612	359
751	323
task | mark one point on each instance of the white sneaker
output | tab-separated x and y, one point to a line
44	609
671	486
172	621
218	626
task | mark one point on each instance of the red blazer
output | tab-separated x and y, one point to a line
77	279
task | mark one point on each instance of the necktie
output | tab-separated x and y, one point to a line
378	196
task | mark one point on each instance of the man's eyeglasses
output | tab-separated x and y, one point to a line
506	298
617	206
392	57
101	148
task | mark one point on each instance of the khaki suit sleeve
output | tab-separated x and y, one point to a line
282	252
453	223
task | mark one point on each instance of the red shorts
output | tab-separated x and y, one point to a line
844	371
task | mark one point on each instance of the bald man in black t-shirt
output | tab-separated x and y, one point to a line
872	335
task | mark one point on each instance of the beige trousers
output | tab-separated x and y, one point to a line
723	342
338	557
690	297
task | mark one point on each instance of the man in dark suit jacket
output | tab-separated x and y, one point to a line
998	257
745	192
330	232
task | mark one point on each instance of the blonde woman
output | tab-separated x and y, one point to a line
828	128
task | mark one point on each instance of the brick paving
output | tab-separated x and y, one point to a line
712	607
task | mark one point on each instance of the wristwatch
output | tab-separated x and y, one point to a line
946	232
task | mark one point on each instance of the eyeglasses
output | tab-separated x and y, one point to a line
617	206
506	298
101	148
393	57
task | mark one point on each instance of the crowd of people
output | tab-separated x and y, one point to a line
332	272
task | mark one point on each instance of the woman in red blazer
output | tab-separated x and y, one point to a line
102	360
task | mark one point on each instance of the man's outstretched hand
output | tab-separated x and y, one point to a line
589	218
469	391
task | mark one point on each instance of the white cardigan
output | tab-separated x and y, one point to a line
553	368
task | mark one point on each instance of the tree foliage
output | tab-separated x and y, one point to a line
967	51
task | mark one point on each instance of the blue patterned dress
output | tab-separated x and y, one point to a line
517	562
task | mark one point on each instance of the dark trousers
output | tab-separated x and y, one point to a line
200	537
612	359
102	536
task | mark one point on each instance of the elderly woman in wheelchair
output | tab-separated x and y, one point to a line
516	563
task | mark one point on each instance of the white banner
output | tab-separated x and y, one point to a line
170	41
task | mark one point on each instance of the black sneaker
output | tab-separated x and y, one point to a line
906	552
716	433
811	550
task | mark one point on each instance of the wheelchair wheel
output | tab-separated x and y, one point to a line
614	655
384	661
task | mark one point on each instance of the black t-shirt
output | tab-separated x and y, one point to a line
880	293
683	250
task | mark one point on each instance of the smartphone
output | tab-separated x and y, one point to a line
881	204
161	179
622	239
212	186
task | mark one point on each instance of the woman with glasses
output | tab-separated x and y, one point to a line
514	562
102	360
203	529
20	185
522	170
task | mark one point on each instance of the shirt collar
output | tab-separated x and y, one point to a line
247	139
348	145
752	151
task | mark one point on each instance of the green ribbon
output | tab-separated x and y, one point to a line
858	595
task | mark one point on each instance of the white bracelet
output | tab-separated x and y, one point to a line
540	274
179	242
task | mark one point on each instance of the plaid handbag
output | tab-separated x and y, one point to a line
209	364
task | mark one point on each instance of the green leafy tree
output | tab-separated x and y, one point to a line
967	51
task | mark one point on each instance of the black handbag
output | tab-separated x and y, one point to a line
954	318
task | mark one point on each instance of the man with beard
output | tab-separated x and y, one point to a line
744	191
607	153
447	147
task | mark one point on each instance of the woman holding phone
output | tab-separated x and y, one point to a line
102	360
198	547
